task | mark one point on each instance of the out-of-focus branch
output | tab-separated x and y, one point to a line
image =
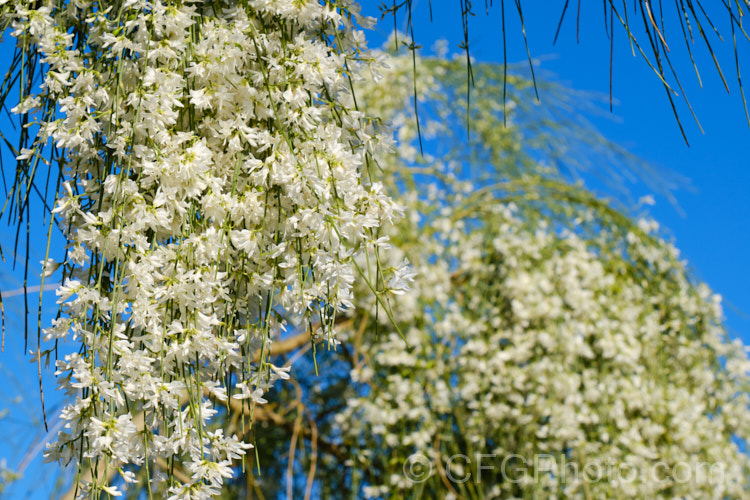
287	345
264	414
313	458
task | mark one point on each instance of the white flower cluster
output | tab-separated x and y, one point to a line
543	323
591	349
215	181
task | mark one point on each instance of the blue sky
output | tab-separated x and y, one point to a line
712	229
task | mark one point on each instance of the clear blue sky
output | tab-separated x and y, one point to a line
713	233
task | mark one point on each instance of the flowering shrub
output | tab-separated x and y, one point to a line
216	185
215	180
560	348
581	347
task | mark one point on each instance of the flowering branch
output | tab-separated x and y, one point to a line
214	183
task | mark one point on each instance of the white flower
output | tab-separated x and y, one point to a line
403	276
